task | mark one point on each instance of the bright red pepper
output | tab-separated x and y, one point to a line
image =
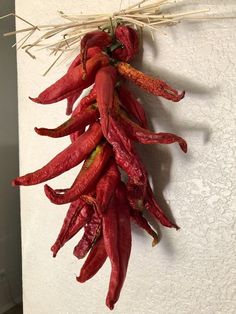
77	61
77	216
145	136
105	84
132	105
150	84
91	232
98	38
75	123
95	260
73	155
86	179
128	37
117	240
72	82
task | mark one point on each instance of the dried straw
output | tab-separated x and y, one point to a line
64	37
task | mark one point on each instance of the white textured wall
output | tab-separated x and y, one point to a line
10	256
190	271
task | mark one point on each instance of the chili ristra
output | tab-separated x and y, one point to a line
112	188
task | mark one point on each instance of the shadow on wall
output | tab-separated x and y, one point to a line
10	251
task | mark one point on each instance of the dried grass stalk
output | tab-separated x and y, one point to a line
60	38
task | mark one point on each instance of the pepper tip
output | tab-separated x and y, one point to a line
37	100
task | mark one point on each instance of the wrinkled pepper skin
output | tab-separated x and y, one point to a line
75	123
67	159
128	37
77	216
72	82
77	61
95	260
151	84
105	84
117	240
86	179
99	39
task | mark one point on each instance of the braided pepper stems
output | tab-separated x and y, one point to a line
103	128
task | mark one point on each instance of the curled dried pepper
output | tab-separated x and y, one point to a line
132	105
95	260
151	84
152	206
128	37
77	216
145	136
141	221
84	103
75	123
72	82
67	159
98	38
91	232
86	179
77	61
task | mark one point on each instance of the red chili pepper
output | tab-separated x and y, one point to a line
105	84
84	103
75	123
77	61
152	206
117	240
73	81
67	159
107	185
98	38
141	221
93	51
129	161
77	216
128	37
87	178
145	136
150	84
91	232
95	260
132	105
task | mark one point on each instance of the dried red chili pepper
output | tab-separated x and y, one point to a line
117	240
91	232
77	61
93	51
67	159
75	123
150	84
99	39
152	206
141	221
95	260
73	81
84	103
107	185
105	84
145	136
86	179
128	37
77	216
132	105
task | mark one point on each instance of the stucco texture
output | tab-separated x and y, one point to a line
192	270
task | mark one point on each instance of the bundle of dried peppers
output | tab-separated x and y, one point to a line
103	128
